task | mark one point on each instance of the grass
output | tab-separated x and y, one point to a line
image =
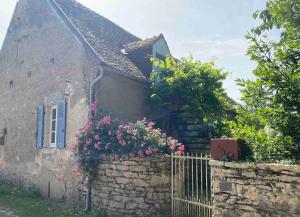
28	203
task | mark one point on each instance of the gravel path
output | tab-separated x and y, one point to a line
6	213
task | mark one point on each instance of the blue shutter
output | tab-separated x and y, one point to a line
40	127
61	123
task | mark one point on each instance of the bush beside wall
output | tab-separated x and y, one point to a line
255	190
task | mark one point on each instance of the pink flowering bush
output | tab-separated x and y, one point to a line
108	136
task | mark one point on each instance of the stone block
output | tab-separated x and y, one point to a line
114	204
122	180
131	206
122	167
140	183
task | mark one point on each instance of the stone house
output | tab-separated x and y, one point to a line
52	54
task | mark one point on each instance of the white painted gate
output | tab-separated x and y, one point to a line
191	186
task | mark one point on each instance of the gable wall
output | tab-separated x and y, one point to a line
123	97
45	63
161	48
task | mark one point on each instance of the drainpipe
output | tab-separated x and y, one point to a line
92	88
88	200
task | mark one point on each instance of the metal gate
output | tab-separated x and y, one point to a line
191	186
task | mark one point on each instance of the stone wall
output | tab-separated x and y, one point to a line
135	187
256	190
43	68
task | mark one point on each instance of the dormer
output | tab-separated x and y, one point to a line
141	51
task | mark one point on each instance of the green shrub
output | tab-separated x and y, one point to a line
270	120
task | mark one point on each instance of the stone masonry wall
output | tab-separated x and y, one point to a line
256	190
138	187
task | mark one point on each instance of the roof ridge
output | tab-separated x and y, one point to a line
133	46
80	5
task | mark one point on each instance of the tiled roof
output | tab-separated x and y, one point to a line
133	46
105	37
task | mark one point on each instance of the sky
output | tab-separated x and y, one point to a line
207	29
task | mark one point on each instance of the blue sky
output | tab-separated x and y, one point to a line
207	29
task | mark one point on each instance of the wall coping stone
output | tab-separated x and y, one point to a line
251	165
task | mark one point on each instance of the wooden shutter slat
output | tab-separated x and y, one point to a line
40	127
61	123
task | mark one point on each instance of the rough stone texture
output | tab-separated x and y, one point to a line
135	187
256	190
59	67
191	131
43	60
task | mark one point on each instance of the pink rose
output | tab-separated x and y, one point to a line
107	147
131	154
140	154
109	133
119	137
106	120
156	131
173	147
155	151
97	146
148	152
122	143
97	137
181	148
151	124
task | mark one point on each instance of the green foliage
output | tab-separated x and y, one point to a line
28	203
270	119
193	84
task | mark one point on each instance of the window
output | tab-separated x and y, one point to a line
53	127
160	57
2	136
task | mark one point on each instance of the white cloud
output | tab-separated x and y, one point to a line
216	49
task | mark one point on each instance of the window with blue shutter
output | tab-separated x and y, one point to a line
53	127
40	127
61	123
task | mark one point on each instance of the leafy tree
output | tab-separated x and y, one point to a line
196	85
270	119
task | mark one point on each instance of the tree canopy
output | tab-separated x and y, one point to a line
269	120
196	85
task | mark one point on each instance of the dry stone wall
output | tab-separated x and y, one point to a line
137	187
255	190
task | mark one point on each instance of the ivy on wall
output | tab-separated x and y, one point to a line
196	85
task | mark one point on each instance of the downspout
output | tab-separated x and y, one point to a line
88	200
92	88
